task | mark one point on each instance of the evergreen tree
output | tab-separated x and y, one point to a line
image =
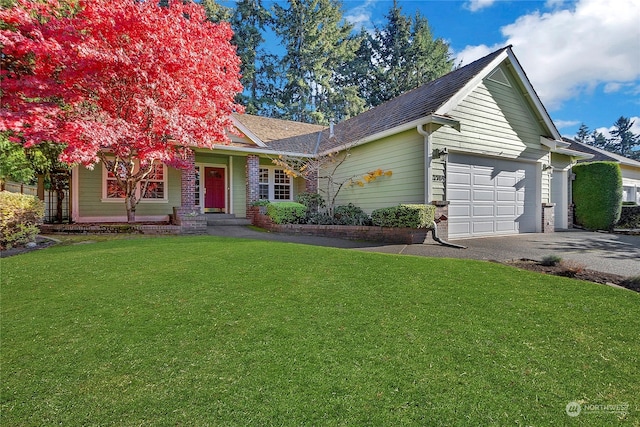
249	20
623	141
598	140
406	56
583	134
318	42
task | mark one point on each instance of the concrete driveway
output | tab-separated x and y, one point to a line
610	253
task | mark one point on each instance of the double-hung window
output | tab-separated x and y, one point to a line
275	184
152	189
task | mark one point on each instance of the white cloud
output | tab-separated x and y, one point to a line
360	16
560	124
476	5
567	52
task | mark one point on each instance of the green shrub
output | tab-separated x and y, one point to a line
551	260
286	212
629	217
313	201
261	202
20	216
597	194
412	216
350	215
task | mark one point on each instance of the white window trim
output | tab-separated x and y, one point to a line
271	184
106	199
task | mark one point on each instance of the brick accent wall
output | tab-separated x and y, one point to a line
252	179
406	236
548	219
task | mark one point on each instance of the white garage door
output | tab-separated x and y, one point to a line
490	196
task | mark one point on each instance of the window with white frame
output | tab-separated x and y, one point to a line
154	186
275	184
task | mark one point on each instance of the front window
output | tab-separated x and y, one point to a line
274	184
155	182
155	190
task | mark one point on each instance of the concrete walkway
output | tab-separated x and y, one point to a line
609	253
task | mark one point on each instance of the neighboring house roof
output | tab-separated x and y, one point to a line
601	155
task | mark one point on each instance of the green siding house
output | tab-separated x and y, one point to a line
477	143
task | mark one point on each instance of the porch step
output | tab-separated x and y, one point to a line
220	220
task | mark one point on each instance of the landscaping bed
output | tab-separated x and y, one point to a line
575	271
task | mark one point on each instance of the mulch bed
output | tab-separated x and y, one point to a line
575	272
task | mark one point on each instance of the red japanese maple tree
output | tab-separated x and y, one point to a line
125	82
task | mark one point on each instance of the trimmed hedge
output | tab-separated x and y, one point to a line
412	216
597	194
20	216
286	212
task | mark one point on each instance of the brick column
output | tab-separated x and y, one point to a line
548	219
311	183
252	179
187	216
442	219
570	215
188	184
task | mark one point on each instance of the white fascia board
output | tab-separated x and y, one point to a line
456	99
532	95
256	151
553	144
245	130
573	153
432	118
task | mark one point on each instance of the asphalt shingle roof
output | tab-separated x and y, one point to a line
287	136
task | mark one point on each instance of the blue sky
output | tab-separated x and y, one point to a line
582	56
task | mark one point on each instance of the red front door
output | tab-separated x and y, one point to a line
214	200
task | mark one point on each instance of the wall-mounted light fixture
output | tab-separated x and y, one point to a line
440	152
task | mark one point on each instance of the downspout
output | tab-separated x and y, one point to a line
434	235
428	157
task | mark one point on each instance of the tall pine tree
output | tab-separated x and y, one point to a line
318	42
405	56
623	141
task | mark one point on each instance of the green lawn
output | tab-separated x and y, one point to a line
212	331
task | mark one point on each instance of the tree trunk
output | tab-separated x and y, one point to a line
130	203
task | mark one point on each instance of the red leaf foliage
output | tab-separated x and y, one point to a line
131	78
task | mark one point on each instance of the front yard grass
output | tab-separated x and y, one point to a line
214	331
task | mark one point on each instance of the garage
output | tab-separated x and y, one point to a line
489	196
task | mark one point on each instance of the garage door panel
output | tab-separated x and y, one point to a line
483	210
490	196
483	227
460	211
455	177
482	195
506	181
505	196
506	226
508	211
459	194
461	228
483	180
